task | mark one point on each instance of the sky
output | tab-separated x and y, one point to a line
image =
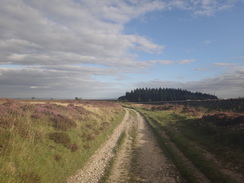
99	49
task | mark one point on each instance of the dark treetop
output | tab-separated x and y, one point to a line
165	94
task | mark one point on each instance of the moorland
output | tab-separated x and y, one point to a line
59	141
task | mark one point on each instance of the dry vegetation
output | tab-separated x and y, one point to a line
47	141
212	140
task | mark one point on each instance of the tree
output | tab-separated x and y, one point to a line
76	98
165	94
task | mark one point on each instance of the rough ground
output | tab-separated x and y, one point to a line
95	167
145	163
139	158
151	164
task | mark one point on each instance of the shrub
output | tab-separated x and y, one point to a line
224	119
73	147
60	138
104	125
30	177
7	121
86	146
36	115
90	137
4	141
61	122
57	157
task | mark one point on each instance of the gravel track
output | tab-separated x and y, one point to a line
150	164
96	165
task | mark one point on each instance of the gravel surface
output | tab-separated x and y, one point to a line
95	167
150	166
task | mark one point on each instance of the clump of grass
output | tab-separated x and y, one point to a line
57	157
4	141
61	122
29	177
60	138
73	147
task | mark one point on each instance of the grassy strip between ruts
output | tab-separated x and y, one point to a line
193	154
109	167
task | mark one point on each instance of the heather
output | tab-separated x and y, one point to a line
47	141
211	139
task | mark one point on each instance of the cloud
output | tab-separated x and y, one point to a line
165	62
57	81
56	48
201	69
52	47
228	85
207	42
44	32
202	7
209	8
186	61
222	64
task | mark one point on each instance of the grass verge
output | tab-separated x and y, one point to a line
47	142
189	150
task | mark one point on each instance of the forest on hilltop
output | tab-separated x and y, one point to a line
163	94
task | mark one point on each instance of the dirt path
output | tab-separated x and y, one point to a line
145	163
139	158
197	173
151	165
120	171
95	167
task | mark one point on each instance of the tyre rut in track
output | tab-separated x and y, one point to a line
139	160
96	165
152	166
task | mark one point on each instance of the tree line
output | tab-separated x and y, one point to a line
163	94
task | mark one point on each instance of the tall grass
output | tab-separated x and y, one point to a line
47	142
174	125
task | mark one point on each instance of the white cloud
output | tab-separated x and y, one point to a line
45	31
46	44
166	62
201	69
186	61
223	64
202	7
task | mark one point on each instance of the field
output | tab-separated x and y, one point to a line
213	141
44	141
47	141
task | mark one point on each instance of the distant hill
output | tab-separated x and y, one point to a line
163	94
